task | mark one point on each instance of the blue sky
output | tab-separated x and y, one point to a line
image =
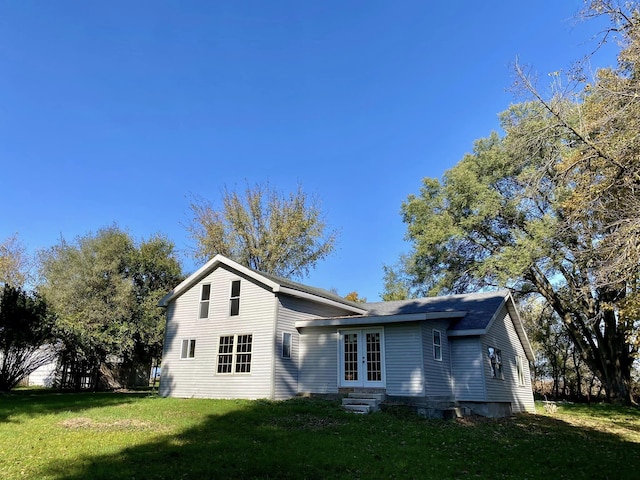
120	112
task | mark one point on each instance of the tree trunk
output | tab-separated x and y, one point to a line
597	334
617	383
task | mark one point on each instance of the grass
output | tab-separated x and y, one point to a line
45	435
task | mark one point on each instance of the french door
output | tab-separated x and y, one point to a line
362	358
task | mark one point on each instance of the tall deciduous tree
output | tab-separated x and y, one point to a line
603	120
14	262
26	335
154	271
263	229
498	219
104	289
551	209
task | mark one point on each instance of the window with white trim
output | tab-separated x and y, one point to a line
234	354
437	345
286	345
234	307
188	349
495	359
225	354
243	353
205	295
520	370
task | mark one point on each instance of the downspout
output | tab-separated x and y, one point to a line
274	343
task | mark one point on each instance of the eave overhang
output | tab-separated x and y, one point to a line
365	320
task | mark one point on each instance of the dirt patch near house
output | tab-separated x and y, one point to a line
84	423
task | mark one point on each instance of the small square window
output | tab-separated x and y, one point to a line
188	348
234	308
437	345
286	345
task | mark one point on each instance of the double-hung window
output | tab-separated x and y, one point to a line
234	307
205	295
234	353
188	349
225	354
437	345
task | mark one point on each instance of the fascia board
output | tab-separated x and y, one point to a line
466	333
377	319
522	334
196	276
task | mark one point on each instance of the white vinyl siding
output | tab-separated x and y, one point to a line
318	360
437	372
310	345
198	377
404	360
467	368
503	336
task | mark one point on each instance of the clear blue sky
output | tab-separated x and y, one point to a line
119	111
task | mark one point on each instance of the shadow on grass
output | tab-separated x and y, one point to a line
33	402
315	439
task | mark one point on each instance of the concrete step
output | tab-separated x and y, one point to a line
357	408
372	402
357	401
377	396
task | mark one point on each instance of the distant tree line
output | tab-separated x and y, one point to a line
94	310
94	306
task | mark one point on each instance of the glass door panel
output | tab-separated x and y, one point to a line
350	348
374	357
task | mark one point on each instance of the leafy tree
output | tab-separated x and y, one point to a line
558	368
397	280
264	229
104	289
550	209
354	297
26	335
14	262
498	219
154	270
602	118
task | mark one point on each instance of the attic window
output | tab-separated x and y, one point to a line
205	294
495	358
437	345
234	308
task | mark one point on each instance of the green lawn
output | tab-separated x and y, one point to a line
46	435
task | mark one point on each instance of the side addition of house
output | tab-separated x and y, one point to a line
233	332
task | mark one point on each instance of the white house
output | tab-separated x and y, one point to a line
233	332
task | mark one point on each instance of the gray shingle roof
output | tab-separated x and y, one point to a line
479	307
318	292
